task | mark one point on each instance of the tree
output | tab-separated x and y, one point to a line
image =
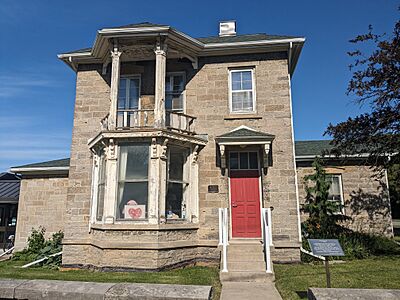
375	82
323	214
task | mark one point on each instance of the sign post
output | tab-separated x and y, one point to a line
325	248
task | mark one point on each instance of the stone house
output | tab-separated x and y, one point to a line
169	130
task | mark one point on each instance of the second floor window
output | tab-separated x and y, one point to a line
128	101
242	91
174	86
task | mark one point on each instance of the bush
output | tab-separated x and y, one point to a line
356	245
39	247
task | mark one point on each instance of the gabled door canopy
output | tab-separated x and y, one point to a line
244	135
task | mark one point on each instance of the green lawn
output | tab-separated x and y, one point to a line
189	275
292	281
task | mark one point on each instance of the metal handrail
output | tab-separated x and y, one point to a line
266	217
223	236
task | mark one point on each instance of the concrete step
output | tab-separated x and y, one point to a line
246	266
261	276
245	248
245	256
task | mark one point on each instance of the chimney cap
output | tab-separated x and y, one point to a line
227	28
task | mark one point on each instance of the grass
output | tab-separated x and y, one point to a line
292	281
190	275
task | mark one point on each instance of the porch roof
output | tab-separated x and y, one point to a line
244	135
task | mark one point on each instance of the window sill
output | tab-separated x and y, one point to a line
242	116
151	227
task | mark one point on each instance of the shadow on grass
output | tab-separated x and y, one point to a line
302	294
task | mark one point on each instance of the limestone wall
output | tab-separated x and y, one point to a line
366	197
41	203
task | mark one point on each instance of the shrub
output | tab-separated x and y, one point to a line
356	245
39	247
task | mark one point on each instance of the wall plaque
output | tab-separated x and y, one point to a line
213	188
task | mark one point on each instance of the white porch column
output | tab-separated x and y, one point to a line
115	74
161	65
111	184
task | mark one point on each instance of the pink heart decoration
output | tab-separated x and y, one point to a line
135	213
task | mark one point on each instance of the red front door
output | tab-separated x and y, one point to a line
245	201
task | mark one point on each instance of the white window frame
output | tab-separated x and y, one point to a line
127	90
253	90
185	180
340	191
172	74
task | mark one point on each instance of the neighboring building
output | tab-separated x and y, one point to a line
167	130
9	196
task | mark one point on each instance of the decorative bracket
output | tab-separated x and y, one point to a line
195	154
105	65
223	158
153	148
111	150
164	149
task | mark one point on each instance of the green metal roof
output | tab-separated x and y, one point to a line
308	148
46	164
243	38
244	132
204	40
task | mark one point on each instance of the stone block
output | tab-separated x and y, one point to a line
352	294
8	286
138	291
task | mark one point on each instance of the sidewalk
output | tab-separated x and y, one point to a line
249	290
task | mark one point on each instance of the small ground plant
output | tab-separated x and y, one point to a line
39	247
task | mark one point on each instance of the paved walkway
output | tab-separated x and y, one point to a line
249	290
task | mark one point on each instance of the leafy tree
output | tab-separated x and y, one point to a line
323	214
375	82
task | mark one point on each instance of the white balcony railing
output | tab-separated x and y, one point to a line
266	219
223	236
139	118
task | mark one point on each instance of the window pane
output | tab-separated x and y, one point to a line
168	101
233	161
178	83
242	101
134	93
132	200
134	161
101	187
174	202
334	189
168	84
177	159
177	103
253	160
236	81
244	163
122	93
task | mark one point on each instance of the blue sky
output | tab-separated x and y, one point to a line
37	90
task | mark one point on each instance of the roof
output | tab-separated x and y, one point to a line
193	47
245	132
139	25
243	38
64	162
9	188
312	148
244	135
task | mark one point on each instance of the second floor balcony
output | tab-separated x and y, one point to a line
145	118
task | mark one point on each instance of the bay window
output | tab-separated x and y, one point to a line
242	98
132	202
177	184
